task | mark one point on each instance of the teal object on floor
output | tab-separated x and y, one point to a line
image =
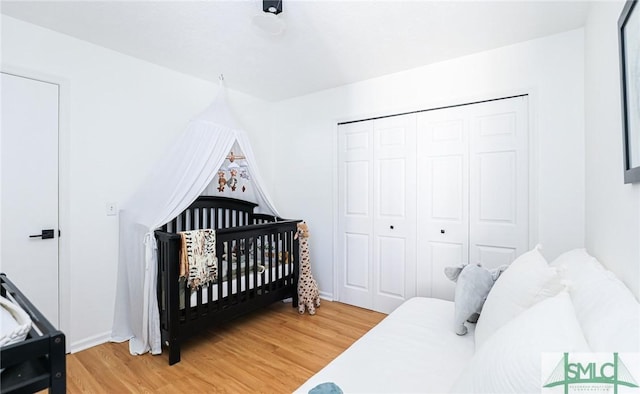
326	388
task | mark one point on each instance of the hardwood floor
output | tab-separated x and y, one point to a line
274	350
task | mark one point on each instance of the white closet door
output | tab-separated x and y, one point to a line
394	231
456	179
376	205
472	189
499	186
355	213
443	198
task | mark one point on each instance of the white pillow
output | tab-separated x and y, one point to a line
527	281
577	265
510	361
573	257
609	315
607	311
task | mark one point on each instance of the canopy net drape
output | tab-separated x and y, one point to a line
212	149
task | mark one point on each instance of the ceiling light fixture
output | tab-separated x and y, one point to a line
272	6
269	21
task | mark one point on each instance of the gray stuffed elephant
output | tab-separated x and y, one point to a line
473	284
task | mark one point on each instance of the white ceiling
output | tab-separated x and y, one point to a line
325	43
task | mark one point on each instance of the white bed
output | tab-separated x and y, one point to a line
571	306
425	342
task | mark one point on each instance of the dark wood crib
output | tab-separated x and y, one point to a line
258	264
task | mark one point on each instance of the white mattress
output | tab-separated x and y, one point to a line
414	349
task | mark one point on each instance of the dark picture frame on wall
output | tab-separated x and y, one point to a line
629	38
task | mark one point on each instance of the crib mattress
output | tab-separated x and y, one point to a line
414	349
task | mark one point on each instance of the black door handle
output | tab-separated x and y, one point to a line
46	234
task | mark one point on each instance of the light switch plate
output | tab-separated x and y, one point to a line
112	209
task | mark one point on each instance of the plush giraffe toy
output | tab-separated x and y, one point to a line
308	294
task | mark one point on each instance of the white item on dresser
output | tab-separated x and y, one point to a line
14	323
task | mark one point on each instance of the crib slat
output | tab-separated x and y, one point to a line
271	266
198	313
187	301
210	293
248	265
257	264
285	253
230	270
238	271
221	273
265	261
278	265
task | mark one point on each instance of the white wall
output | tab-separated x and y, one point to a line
550	69
119	114
612	207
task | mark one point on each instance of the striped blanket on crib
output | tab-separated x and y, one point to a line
198	261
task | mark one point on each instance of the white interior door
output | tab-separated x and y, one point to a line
443	198
394	222
355	213
29	204
499	209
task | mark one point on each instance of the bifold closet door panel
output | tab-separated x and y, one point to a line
443	198
499	181
394	222
355	213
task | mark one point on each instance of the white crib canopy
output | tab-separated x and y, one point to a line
183	173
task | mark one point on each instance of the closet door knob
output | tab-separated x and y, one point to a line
391	227
442	231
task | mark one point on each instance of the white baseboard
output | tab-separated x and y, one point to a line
323	295
90	342
326	296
